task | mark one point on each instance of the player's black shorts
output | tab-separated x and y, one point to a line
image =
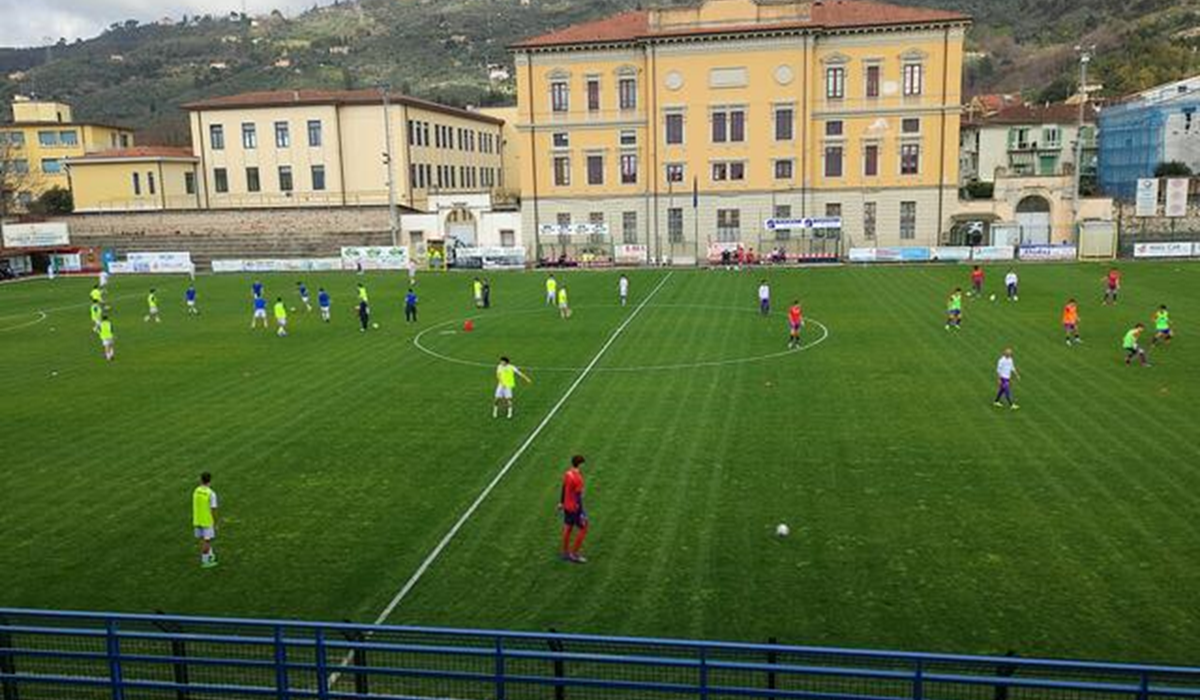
575	518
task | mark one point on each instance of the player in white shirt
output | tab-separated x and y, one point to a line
412	272
103	278
1006	371
623	289
1010	285
764	298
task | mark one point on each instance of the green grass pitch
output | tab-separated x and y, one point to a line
922	517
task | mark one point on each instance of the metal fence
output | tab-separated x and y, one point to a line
69	656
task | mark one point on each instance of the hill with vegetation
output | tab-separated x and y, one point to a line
454	51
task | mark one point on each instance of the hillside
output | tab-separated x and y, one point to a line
442	49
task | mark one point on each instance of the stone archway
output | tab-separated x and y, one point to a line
1033	218
462	225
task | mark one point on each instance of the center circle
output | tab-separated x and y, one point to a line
813	335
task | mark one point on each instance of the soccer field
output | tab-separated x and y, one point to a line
921	516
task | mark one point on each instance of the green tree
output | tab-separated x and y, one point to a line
54	201
1172	168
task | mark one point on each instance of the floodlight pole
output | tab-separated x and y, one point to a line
1085	57
393	213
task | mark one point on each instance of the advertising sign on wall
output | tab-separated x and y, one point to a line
993	252
952	253
1164	250
1177	197
631	254
1147	197
157	263
43	235
1048	252
375	257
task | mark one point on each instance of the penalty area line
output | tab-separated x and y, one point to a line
487	491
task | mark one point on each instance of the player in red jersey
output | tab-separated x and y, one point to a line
574	516
1112	286
795	323
977	281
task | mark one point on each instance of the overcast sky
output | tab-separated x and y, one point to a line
25	23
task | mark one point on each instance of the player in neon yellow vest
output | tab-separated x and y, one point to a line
204	519
564	306
152	307
107	339
506	381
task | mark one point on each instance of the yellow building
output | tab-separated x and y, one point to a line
509	191
41	137
677	128
135	179
327	148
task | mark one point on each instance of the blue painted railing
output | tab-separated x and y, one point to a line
47	655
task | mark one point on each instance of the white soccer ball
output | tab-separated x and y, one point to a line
992	297
1016	298
375	325
782	530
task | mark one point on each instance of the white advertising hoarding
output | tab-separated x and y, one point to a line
993	252
155	264
573	229
1147	197
43	235
628	254
1164	250
824	222
952	253
278	265
375	257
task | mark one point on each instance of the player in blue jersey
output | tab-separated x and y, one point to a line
190	297
257	289
260	311
302	290
410	306
324	302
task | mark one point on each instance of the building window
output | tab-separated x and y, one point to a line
720	172
150	182
629	169
729	126
561	139
782	211
137	184
249	136
910	125
314	133
20	166
833	161
48	139
628	138
220	180
627	93
318	178
674	172
784	121
560	96
914	79
675	225
16	139
189	183
1051	137
216	137
124	140
595	170
253	181
784	169
910	159
68	138
562	171
729	225
835	83
833	210
593	95
871	160
869	218
508	238
833	128
563	218
51	166
908	220
285	178
283	135
872	81
674	129
629	227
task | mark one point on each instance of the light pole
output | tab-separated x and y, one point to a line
393	213
1085	57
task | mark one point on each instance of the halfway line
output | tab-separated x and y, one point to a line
445	541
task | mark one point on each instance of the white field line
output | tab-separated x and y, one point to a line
41	316
487	491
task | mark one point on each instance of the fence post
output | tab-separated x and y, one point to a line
560	666
500	689
772	659
281	670
1144	687
113	650
919	681
1004	671
704	673
8	664
179	668
358	658
322	665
